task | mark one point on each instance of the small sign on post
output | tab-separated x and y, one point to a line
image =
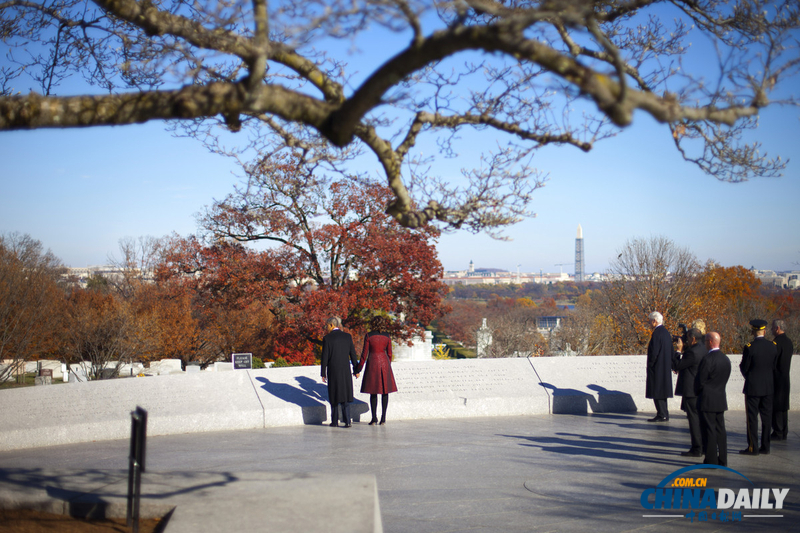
242	361
136	465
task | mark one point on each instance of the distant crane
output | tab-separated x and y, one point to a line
559	265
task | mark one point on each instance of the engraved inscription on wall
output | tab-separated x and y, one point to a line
607	370
461	379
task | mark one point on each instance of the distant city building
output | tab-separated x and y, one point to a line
783	280
487	276
113	274
494	276
579	266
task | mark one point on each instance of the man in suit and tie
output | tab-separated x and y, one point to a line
337	348
758	368
712	400
685	365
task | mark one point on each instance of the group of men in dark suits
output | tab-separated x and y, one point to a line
765	366
703	373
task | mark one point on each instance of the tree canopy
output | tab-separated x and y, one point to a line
331	251
30	300
536	72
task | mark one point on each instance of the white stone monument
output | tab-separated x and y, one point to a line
484	340
421	349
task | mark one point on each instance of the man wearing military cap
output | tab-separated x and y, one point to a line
758	365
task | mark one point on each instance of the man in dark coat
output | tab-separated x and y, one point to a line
686	367
758	368
659	367
780	400
337	348
712	400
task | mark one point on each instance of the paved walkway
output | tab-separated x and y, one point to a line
505	474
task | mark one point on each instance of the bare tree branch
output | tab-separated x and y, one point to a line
560	72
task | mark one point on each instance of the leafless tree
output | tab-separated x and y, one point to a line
139	258
649	275
554	72
515	334
585	330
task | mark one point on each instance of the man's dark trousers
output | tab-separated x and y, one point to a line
661	408
758	406
717	437
698	442
345	411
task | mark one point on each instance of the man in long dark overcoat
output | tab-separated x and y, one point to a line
712	400
758	368
338	352
686	366
659	367
780	400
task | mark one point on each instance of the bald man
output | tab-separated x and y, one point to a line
712	400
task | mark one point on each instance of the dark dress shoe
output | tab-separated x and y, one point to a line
348	425
373	423
334	424
747	451
658	419
763	451
690	453
383	422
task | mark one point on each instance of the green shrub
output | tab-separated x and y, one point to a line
280	362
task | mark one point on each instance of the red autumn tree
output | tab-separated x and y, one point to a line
228	285
332	250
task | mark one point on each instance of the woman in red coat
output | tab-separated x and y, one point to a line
378	377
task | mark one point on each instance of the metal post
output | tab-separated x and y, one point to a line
136	465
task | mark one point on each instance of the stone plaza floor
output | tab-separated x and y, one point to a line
502	474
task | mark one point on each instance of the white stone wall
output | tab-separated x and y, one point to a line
421	349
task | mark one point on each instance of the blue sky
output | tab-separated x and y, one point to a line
80	191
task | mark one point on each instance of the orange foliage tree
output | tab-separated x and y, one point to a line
31	302
103	333
165	317
731	297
